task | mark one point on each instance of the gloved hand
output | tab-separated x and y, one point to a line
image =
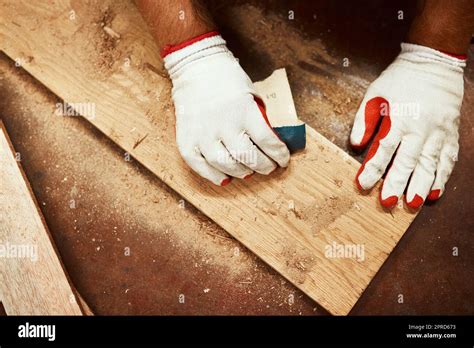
221	126
418	97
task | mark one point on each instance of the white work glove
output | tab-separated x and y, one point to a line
419	99
221	131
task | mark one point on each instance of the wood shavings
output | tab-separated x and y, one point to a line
111	32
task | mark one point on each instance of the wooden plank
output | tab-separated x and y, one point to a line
32	280
293	219
86	310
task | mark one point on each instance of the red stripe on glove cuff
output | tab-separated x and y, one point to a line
458	56
168	49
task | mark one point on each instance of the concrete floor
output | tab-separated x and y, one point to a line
176	250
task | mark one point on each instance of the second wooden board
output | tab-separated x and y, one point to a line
32	280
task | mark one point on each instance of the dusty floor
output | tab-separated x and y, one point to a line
131	246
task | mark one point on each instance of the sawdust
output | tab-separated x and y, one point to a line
272	208
299	263
321	215
105	43
338	182
139	141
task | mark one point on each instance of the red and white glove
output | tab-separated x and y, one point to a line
221	126
418	97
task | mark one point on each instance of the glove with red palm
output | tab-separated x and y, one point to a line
418	100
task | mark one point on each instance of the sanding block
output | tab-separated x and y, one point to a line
280	108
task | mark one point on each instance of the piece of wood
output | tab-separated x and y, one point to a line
296	219
86	310
32	279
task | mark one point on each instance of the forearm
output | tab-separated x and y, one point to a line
444	25
174	21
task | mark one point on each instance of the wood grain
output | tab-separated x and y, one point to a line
288	219
32	281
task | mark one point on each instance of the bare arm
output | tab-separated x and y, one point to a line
174	21
444	25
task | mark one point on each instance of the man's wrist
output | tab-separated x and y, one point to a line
436	28
170	48
426	39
